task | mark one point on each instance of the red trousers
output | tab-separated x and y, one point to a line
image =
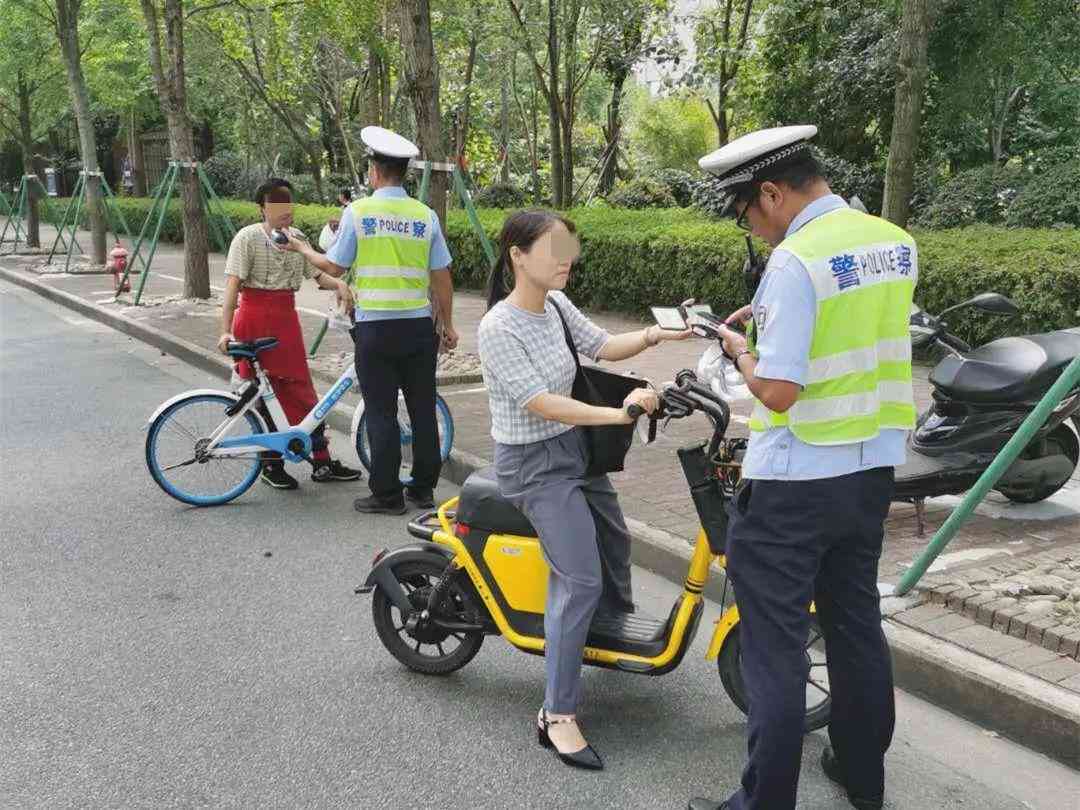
272	313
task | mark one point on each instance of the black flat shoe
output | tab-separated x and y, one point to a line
586	758
706	804
421	499
831	765
373	505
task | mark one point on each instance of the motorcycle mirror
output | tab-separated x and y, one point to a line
995	304
921	326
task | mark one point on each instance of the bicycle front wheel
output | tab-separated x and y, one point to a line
443	421
176	456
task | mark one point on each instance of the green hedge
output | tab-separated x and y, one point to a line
633	259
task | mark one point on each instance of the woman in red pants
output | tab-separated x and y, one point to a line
265	279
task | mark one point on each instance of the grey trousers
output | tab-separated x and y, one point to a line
585	542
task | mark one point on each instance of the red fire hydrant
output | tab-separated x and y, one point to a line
117	263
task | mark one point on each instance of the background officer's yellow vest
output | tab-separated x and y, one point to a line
393	243
864	271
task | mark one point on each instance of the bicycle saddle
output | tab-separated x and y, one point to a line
236	348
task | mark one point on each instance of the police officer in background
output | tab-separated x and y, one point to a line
397	254
828	359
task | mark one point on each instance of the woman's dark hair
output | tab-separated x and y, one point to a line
263	191
346	193
521	230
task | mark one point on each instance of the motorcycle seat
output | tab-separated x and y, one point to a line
1012	368
482	507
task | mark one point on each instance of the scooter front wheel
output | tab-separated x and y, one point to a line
428	649
818	694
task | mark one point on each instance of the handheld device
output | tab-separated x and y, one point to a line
669	318
279	237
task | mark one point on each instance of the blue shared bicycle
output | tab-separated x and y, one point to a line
204	447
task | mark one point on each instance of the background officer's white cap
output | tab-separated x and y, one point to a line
737	164
380	141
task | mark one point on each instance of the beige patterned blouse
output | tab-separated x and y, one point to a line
259	265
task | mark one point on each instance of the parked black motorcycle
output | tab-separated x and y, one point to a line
980	397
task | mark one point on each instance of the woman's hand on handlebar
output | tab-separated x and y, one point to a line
645	398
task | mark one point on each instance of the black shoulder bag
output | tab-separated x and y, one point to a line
608	444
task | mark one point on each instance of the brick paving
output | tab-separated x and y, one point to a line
1008	587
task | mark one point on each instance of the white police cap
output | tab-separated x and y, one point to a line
738	163
380	141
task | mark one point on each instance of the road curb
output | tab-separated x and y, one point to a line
1031	711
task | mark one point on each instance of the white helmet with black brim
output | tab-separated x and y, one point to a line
739	163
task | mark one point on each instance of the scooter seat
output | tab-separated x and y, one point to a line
482	507
1013	368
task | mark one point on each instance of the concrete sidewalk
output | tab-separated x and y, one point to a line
969	638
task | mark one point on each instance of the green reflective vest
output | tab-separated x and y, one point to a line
393	243
864	271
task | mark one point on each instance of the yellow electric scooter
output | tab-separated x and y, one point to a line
479	570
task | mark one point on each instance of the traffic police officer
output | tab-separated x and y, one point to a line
394	247
828	359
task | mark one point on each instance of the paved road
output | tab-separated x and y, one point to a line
152	655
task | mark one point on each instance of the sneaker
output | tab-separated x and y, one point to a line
333	470
374	505
422	499
831	766
274	475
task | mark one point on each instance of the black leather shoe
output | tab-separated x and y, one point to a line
374	505
706	804
421	499
831	765
586	758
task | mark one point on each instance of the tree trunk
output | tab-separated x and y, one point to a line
67	21
463	132
138	162
171	89
504	127
373	91
26	145
421	73
315	161
723	133
568	105
612	133
907	112
558	189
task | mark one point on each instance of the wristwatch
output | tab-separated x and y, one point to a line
739	356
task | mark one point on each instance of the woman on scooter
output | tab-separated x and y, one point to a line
540	450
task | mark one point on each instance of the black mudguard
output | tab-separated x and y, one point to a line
382	575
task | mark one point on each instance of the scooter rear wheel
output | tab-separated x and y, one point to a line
818	695
430	651
1060	441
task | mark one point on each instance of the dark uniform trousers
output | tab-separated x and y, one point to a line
790	542
393	355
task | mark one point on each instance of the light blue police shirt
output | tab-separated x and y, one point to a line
785	309
343	253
